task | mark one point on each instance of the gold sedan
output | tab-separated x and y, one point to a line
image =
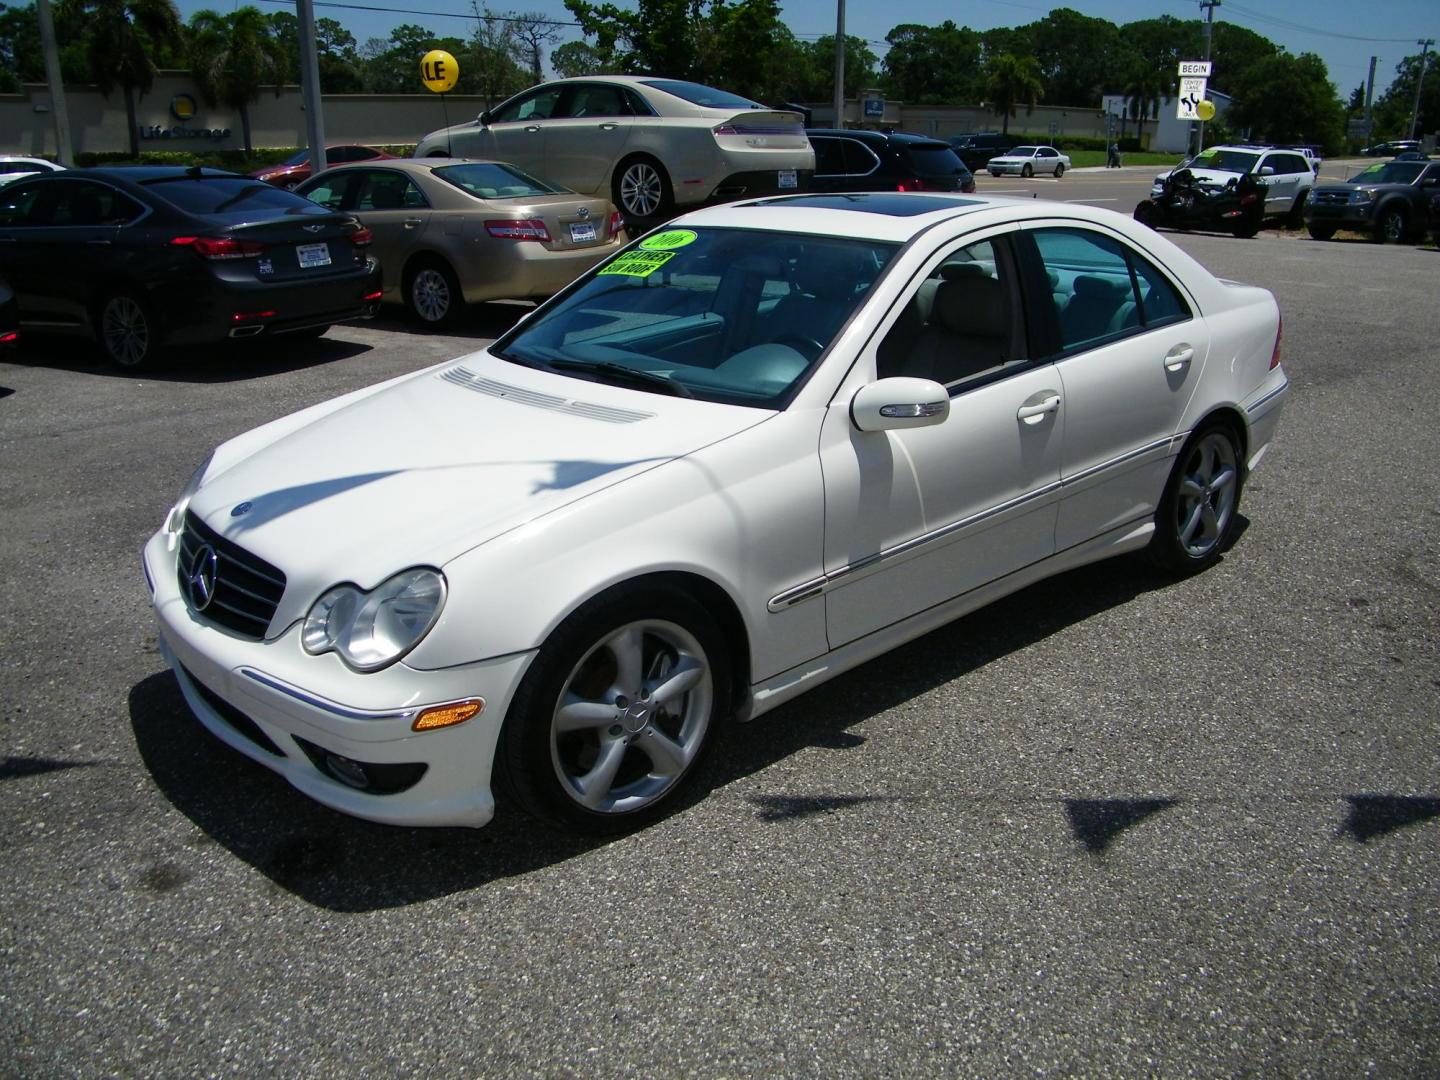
452	232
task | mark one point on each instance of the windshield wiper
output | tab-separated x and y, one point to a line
621	375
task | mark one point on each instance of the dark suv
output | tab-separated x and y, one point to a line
975	150
1390	201
885	161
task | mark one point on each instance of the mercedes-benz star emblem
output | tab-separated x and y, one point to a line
314	228
584	212
200	581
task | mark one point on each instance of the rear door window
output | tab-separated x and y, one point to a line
233	198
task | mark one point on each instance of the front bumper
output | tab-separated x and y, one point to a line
1341	216
293	713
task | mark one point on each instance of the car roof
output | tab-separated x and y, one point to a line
139	174
883	216
867	135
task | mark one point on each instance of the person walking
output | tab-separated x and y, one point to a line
1113	162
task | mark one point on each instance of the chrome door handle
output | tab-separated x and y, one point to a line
1032	413
608	127
411	222
98	243
1178	357
532	127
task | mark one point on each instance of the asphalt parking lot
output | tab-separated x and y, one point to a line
1110	826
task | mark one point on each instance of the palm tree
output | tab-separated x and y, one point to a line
233	56
120	37
1145	89
1012	80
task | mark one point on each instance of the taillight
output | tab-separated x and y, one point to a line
912	184
725	129
362	236
1279	333
616	223
219	247
528	229
9	338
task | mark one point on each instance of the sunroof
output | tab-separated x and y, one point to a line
890	203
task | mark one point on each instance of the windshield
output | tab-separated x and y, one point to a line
1021	151
705	96
737	316
493	180
1390	172
236	197
1236	161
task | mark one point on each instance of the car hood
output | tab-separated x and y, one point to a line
432	466
1343	188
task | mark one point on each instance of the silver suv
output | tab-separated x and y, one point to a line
1285	174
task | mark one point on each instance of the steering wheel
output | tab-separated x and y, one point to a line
807	347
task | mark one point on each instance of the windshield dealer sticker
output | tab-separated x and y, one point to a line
668	240
638	263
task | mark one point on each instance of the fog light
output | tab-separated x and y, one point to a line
448	715
347	771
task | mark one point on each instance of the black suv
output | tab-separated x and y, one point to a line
1389	200
977	149
885	161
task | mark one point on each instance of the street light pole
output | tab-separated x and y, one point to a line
840	63
64	150
310	86
1424	44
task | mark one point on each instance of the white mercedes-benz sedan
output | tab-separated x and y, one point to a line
746	454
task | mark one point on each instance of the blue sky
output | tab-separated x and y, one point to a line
1345	33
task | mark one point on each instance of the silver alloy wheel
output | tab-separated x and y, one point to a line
632	716
1206	498
125	331
641	189
1059	170
1392	227
430	295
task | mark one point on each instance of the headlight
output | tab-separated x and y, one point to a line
1362	196
175	520
373	629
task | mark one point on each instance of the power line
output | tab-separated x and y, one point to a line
431	14
1286	24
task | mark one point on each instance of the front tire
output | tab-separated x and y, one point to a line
1026	171
1196	518
1321	232
616	711
127	332
1390	226
641	189
432	293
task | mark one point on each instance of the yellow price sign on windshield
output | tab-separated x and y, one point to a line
439	71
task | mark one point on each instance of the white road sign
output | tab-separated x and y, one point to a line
1195	69
1187	104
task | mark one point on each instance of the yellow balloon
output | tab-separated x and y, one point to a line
1205	110
439	71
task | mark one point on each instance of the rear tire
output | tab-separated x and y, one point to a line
1059	171
432	293
127	332
1321	232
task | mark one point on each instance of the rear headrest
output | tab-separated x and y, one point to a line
830	273
954	271
1102	288
977	306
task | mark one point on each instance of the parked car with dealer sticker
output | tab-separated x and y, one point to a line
1390	201
688	489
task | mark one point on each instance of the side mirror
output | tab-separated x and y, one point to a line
483	120
896	403
1267	170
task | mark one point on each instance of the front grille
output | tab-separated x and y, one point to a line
245	590
1330	198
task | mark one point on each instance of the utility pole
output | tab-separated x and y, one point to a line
1369	98
840	63
64	151
1208	6
310	86
1424	44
